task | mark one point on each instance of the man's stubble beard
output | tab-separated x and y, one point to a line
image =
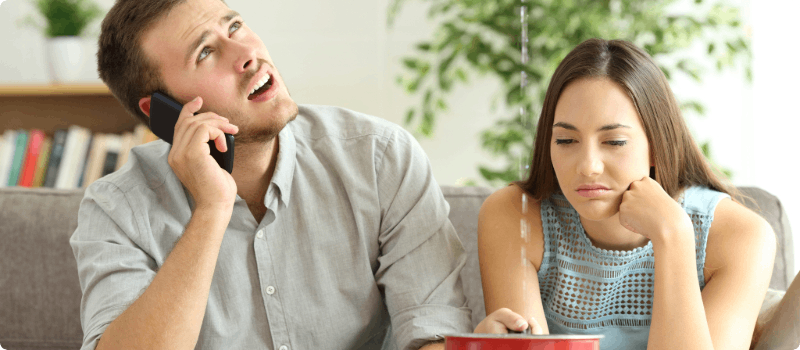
253	133
249	134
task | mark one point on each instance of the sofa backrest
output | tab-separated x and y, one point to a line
40	293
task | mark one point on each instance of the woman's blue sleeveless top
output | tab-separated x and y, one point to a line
588	290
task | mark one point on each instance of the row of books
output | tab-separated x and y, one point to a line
71	158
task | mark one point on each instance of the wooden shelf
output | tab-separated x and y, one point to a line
51	107
51	90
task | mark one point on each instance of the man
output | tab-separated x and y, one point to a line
329	229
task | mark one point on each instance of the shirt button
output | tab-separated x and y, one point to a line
270	291
283	347
260	234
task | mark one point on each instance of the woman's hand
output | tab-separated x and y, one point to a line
500	321
648	210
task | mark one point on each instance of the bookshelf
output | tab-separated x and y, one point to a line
41	145
50	107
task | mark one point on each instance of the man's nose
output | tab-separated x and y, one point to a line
246	57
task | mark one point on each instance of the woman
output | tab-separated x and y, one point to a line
630	234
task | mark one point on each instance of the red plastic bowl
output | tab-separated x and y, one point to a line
521	342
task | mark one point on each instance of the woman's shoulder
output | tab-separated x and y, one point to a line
501	220
738	236
511	200
507	206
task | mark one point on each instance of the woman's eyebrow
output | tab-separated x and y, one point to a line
607	127
612	127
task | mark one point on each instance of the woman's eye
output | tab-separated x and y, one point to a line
617	143
563	141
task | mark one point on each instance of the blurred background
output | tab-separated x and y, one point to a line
457	66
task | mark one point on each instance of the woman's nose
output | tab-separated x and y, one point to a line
591	163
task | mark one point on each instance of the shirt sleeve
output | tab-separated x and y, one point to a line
421	256
113	270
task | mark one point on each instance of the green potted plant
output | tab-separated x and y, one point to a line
64	23
483	38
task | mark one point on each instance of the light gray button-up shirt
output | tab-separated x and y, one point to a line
356	238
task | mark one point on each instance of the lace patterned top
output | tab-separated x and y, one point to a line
589	290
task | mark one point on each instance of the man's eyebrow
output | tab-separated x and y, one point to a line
569	126
197	43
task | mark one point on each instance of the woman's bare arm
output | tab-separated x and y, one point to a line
500	254
740	252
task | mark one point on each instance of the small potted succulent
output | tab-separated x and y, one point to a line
65	22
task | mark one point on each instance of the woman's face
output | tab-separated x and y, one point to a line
598	146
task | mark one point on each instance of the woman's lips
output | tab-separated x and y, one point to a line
592	191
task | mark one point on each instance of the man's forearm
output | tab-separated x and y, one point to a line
169	314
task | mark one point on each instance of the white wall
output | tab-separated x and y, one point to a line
341	53
775	122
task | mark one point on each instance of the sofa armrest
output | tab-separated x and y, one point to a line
768	308
778	324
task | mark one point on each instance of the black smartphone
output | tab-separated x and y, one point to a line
164	113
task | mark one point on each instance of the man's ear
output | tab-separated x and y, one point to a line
144	105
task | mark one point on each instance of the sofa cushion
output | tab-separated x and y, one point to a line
40	294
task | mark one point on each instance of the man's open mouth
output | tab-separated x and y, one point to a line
261	87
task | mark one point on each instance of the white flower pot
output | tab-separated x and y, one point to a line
64	58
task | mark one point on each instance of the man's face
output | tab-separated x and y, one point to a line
204	49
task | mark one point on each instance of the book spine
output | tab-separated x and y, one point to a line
57	152
68	158
20	148
83	158
73	159
113	149
31	158
94	165
41	165
6	155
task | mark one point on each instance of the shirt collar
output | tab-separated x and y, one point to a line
284	167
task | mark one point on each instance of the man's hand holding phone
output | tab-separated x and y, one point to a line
190	157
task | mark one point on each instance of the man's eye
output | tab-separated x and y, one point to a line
563	141
234	27
205	52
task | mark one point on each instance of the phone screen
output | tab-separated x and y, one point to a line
164	113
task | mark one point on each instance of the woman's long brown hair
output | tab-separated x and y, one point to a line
678	161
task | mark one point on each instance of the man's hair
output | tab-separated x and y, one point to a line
121	62
678	161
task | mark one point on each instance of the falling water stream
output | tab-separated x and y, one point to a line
523	165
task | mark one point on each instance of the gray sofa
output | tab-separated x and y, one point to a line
40	294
